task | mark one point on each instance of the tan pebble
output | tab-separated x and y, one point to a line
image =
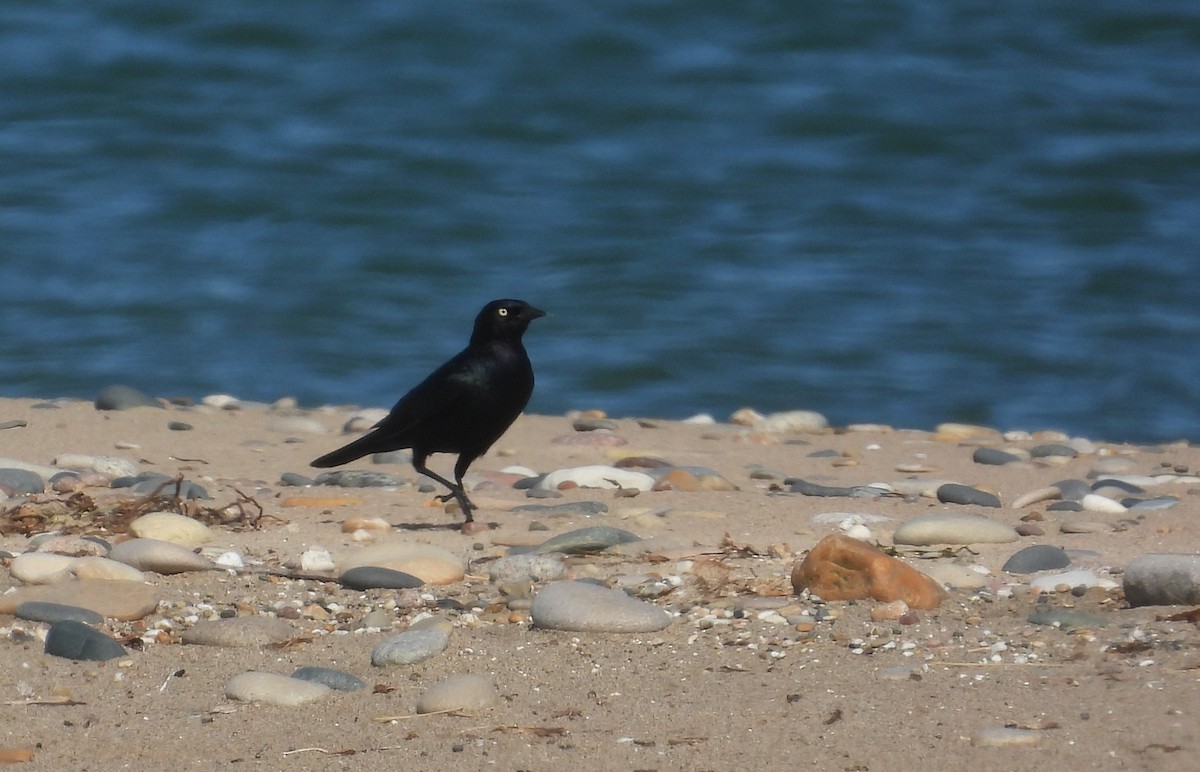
16	755
746	417
887	611
320	501
805	627
518	618
365	524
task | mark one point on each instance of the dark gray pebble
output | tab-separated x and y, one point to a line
1150	505
1053	449
582	540
179	426
186	488
22	481
75	640
14	424
334	679
1039	557
357	478
528	483
123	398
593	424
1111	485
993	456
953	493
570	508
378	578
797	485
294	480
827	453
1065	506
44	611
542	493
1073	490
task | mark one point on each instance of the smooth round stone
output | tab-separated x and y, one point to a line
1084	526
1113	487
360	478
954	529
1094	502
172	527
75	640
41	567
179	426
597	476
1150	505
119	397
1039	557
1005	737
337	680
411	646
40	611
296	424
148	484
295	480
583	508
582	540
430	564
1065	506
274	689
126	601
240	632
109	466
459	692
590	608
378	578
1079	578
993	456
1163	579
1053	449
528	567
792	421
92	567
953	493
161	557
22	481
1073	490
75	546
954	575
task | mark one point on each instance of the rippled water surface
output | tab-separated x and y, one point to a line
905	212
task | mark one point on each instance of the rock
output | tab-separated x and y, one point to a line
584	508
792	421
596	476
240	632
1162	579
22	481
1005	737
361	478
1094	502
274	689
40	611
376	577
75	546
317	559
105	569
337	680
75	640
957	576
1039	557
1084	526
841	568
583	540
956	432
41	567
692	479
1069	578
590	608
529	567
170	527
953	493
161	557
118	397
109	466
114	600
953	529
459	692
796	485
430	564
993	456
418	643
1052	450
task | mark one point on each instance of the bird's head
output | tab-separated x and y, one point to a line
504	318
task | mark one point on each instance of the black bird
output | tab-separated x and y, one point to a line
463	406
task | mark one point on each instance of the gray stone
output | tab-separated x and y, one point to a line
953	493
526	568
240	632
1053	449
161	557
954	529
585	508
360	478
72	639
294	480
274	689
1163	579
412	646
22	481
993	456
338	680
797	485
1073	490
459	692
42	611
1039	557
118	397
590	608
1150	505
582	540
377	577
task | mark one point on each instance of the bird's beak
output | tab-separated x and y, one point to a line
532	313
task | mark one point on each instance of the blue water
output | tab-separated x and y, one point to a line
905	212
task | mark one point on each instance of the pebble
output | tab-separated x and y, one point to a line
583	508
75	546
41	611
22	481
239	632
362	420
953	493
954	529
841	568
993	456
274	689
361	478
692	479
161	557
1036	496
378	578
338	680
113	600
459	692
590	424
430	564
41	567
109	466
797	485
1084	526
792	421
72	639
318	559
590	608
1039	557
1072	579
583	540
526	568
1150	505
91	567
171	527
1094	502
1163	579
119	397
955	575
1053	450
418	643
1005	737
596	476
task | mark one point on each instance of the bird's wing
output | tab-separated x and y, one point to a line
431	398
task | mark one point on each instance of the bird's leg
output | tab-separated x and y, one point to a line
456	491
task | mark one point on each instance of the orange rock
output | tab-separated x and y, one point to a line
679	480
15	755
841	568
320	501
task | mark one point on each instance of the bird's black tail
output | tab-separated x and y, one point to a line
363	446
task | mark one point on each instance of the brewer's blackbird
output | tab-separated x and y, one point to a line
463	406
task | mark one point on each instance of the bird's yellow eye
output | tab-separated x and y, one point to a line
503	312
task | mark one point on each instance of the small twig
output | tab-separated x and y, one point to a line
389	719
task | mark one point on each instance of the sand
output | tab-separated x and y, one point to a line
743	694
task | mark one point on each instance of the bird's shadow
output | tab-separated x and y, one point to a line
491	526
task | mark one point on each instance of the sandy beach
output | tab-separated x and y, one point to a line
733	682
